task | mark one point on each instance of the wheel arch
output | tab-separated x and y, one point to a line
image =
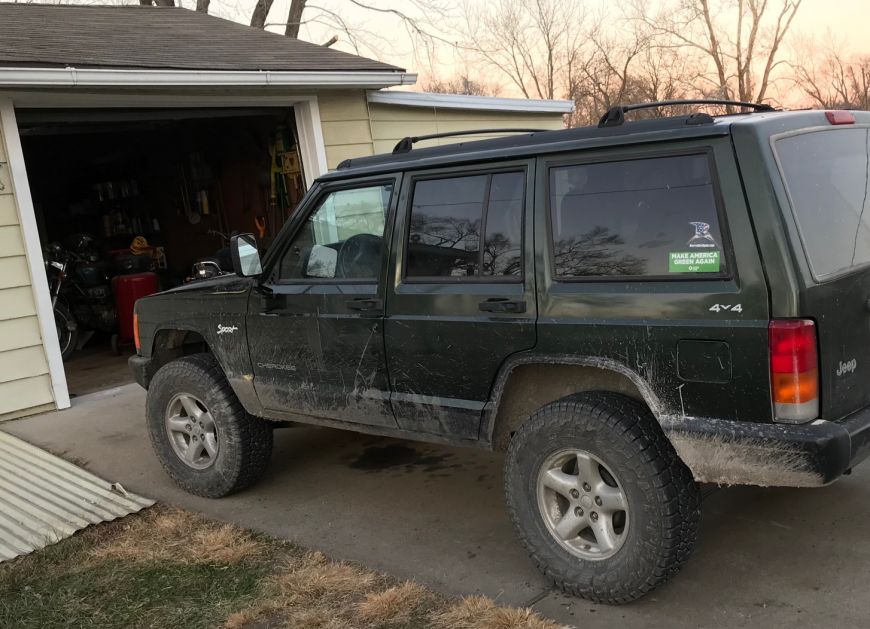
527	383
173	342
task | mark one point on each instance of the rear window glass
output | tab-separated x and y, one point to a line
826	176
653	217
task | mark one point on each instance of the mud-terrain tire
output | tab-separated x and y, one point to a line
241	443
620	439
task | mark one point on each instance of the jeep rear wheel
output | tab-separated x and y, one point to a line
203	437
599	497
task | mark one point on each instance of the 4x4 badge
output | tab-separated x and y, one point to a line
702	237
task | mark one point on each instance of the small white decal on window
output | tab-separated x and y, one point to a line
702	237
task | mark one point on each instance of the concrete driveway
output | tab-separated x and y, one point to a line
767	557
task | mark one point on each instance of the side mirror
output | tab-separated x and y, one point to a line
246	257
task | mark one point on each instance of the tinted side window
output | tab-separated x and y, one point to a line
447	216
342	238
653	217
445	227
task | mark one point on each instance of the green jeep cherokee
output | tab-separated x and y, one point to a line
625	310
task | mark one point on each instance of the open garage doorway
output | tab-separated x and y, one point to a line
128	200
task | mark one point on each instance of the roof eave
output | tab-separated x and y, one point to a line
112	77
466	101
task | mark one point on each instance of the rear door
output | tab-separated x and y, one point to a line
462	298
825	172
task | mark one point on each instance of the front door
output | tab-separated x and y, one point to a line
462	296
315	327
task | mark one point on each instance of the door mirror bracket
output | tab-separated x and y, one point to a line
246	256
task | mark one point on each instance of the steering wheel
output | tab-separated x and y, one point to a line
359	257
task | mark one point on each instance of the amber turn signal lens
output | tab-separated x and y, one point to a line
136	331
795	388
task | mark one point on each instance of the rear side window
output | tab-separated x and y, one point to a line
826	176
653	217
448	216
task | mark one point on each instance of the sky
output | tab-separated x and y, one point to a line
848	21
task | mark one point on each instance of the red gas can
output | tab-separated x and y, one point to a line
127	289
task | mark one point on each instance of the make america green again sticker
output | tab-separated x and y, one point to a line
693	262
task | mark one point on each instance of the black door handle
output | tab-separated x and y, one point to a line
365	303
502	304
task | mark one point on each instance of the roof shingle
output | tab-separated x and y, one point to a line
166	38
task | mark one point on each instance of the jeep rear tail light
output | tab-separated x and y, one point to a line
840	116
794	370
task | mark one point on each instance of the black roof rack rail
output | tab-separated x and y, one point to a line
615	116
406	144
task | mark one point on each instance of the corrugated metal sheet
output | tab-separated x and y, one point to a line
44	499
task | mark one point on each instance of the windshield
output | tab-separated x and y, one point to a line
826	177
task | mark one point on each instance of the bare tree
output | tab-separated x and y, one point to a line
417	17
294	18
460	85
740	40
533	43
832	79
261	12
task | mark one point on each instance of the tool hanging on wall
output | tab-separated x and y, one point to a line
260	224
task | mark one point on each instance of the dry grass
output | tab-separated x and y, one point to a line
479	612
396	605
161	566
180	537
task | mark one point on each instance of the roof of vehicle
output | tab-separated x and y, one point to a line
543	142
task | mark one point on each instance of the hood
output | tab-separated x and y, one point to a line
229	283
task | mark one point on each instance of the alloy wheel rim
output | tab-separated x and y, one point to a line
192	431
582	504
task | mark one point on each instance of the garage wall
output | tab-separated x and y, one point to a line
344	118
25	385
391	123
353	127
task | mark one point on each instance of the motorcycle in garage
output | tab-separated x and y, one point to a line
80	292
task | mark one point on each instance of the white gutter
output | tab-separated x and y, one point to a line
464	101
91	77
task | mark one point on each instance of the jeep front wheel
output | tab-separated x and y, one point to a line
205	440
599	497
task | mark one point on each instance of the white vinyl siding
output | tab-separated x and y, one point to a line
353	127
344	118
25	385
391	123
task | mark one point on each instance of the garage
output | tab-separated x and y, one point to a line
141	136
149	193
